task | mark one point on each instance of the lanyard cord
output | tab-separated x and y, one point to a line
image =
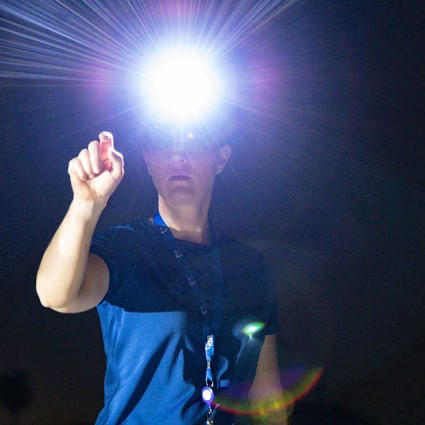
209	327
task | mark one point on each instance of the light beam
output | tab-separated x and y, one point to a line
182	85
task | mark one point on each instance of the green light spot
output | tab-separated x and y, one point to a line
252	328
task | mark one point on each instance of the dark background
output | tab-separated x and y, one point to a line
327	179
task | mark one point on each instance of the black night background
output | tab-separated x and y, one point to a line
326	179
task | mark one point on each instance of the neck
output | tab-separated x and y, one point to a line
187	222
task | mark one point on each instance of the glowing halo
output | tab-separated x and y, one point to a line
104	47
252	328
181	84
185	95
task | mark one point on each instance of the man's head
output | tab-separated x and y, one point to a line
183	169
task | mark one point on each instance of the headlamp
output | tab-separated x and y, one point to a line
182	85
192	138
184	99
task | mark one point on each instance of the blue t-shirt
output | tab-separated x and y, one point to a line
152	326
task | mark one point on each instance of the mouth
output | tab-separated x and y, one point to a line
179	178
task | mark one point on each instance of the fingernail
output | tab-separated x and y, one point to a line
106	134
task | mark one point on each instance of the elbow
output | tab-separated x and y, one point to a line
43	301
53	304
48	298
55	299
41	291
47	302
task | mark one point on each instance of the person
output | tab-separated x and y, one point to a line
174	295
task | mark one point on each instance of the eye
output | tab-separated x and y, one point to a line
195	146
158	145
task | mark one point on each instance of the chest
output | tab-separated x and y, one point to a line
164	287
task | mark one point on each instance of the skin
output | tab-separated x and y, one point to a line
70	279
184	180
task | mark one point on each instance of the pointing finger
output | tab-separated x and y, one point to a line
106	141
107	138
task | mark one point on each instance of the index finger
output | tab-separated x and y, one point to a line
106	139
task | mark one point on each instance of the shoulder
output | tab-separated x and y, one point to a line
237	254
128	230
139	232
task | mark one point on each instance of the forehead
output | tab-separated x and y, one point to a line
191	144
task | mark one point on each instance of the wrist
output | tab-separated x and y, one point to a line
87	209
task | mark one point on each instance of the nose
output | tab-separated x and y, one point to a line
178	153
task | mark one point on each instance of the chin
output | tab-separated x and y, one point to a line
181	196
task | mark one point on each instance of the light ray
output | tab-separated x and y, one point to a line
104	45
90	33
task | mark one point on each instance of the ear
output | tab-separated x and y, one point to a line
146	158
224	154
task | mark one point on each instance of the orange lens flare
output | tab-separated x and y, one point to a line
296	383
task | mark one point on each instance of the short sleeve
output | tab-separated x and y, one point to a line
113	247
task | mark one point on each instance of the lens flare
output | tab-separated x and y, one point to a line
296	383
252	328
182	84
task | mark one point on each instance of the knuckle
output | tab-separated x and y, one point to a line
83	152
93	144
72	163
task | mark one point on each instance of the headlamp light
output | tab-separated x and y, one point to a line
184	99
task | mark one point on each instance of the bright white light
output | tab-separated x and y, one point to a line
207	394
182	85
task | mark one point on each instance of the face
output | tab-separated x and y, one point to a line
184	173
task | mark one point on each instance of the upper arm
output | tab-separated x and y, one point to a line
266	391
93	288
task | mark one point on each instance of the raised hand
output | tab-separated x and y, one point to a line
97	170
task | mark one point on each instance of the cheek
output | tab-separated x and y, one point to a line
207	170
156	171
157	176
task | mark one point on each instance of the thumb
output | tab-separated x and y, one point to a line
117	162
106	142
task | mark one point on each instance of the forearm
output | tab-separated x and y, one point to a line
266	395
270	407
63	266
277	418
